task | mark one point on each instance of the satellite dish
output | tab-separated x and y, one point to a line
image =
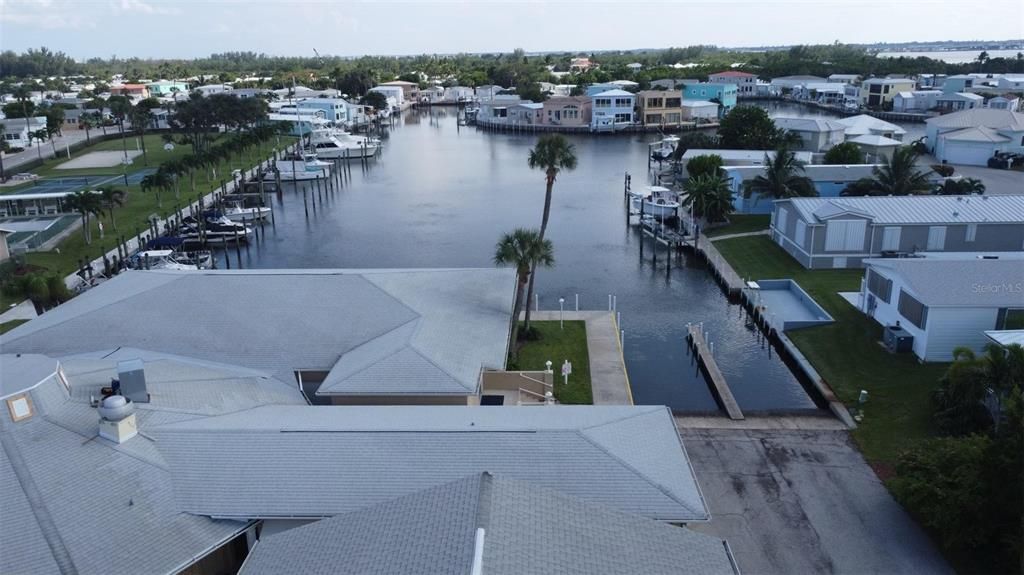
169	146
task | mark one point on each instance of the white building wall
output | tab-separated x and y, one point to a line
949	328
888	313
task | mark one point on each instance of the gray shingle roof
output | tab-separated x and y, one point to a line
960	282
247	464
523	529
74	502
408	331
921	209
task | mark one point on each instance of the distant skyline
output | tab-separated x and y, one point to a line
191	28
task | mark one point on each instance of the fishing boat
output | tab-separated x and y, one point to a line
214	230
664	149
656	201
238	213
171	260
339	144
299	168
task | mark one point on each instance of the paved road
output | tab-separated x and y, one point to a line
70	137
997	182
803	501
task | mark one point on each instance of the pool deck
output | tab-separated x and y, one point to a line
608	378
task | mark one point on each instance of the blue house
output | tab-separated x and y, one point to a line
613	110
595	89
334	109
829	181
724	93
958	83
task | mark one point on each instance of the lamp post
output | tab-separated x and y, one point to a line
561	307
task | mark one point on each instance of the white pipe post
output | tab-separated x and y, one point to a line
622	338
609	302
536	302
577	302
615	302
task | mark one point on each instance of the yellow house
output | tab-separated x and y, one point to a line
660	107
881	91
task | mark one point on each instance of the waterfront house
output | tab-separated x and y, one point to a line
817	134
954	102
660	107
133	91
410	90
227	466
431	95
1012	82
334	109
829	93
743	157
612	110
356	337
499	517
829	181
672	83
843	232
1011	103
931	80
958	83
971	137
865	125
526	113
458	94
166	88
595	89
879	92
786	84
75	481
568	111
764	89
943	302
844	78
915	102
745	83
395	93
488	92
699	110
17	131
497	110
723	94
300	124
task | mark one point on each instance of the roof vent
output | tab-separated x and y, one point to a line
117	419
132	376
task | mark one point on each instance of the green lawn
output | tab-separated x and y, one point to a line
740	223
557	345
138	206
847	353
9	325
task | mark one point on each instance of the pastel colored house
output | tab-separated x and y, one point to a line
334	109
724	94
880	92
843	232
1011	103
971	137
817	134
166	88
410	90
958	83
133	91
746	84
942	303
916	101
526	112
660	107
595	89
568	111
612	110
1012	82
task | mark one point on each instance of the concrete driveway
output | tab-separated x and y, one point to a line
997	182
803	501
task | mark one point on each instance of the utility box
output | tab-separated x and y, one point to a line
897	339
132	376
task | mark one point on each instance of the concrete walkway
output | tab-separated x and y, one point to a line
24	310
739	235
608	378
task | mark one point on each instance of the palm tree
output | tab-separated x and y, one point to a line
111	198
87	204
41	135
962	186
782	178
553	153
710	196
22	94
958	401
120	108
898	175
4	147
525	250
87	122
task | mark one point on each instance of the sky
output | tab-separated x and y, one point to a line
195	28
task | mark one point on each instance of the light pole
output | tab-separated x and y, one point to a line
561	307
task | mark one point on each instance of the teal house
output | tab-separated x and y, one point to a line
725	94
166	88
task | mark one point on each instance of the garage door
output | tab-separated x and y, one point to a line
967	153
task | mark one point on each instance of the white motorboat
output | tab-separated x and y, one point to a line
214	230
656	201
308	167
665	149
171	260
337	144
237	213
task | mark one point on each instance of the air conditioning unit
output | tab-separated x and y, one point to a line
897	339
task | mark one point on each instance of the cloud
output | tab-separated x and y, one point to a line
141	7
45	14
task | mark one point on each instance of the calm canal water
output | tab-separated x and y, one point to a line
440	196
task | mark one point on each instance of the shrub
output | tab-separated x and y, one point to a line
845	153
944	170
709	164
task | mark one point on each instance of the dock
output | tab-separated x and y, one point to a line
703	351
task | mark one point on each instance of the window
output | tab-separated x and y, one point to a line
602	102
652	119
623	118
912	310
673	118
801	233
936	238
780	222
890	239
844	235
623	102
972	232
20	407
880	285
654	102
673	102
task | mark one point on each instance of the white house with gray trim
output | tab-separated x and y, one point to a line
944	303
843	232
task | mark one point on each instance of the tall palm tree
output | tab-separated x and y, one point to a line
553	153
22	94
710	196
87	204
525	250
898	175
41	135
111	198
120	108
783	178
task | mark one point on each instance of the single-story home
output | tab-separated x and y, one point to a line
17	132
959	101
915	101
865	125
699	110
345	336
971	137
784	84
743	157
843	232
942	303
829	181
567	111
816	134
875	147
